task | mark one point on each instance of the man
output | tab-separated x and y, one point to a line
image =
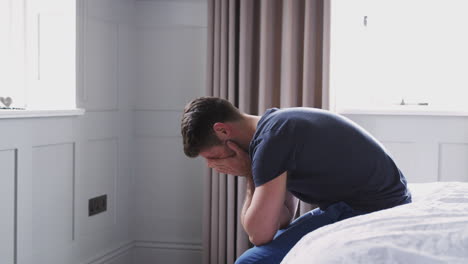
314	155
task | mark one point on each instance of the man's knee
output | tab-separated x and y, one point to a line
244	259
258	255
249	259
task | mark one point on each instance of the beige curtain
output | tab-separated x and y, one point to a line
261	54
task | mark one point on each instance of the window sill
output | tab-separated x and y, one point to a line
405	111
30	113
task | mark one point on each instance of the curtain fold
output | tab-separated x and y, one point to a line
260	54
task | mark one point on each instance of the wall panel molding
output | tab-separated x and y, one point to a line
53	144
110	138
96	110
158	110
9	205
397	141
170	27
452	161
53	185
144	136
191	246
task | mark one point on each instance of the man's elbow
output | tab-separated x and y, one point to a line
259	240
261	234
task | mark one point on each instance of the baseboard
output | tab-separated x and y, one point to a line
125	248
168	245
151	252
112	254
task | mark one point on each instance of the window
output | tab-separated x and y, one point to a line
388	54
38	51
12	66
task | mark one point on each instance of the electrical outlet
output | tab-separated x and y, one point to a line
97	205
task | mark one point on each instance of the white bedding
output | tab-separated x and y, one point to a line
432	229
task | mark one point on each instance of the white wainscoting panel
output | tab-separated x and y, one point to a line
418	161
425	148
7	206
171	66
99	179
95	177
51	166
52	131
453	159
100	75
53	203
168	198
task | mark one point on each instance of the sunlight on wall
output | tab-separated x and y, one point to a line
384	51
52	55
12	71
38	51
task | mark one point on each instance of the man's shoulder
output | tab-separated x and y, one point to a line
296	114
278	137
279	120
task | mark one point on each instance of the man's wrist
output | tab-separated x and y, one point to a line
250	184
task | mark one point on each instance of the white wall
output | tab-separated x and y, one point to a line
426	148
171	54
134	82
171	50
52	166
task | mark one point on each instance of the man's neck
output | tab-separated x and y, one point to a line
249	126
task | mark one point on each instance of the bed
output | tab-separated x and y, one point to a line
432	229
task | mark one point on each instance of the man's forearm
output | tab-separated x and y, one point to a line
250	188
286	212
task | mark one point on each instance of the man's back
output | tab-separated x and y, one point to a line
328	159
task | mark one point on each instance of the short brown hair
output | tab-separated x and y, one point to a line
197	122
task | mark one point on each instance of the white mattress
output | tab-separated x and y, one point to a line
432	229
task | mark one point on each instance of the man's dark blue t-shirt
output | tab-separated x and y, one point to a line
328	159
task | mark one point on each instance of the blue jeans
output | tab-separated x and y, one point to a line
285	239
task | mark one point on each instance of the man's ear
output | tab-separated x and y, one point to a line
222	130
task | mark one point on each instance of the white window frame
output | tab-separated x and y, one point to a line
330	92
39	21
